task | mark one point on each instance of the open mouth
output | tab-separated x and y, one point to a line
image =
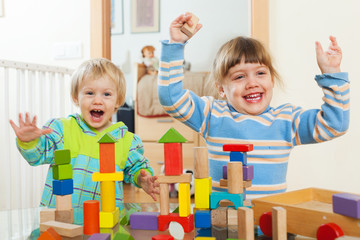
96	114
255	97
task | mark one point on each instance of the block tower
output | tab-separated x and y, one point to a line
109	213
174	174
61	218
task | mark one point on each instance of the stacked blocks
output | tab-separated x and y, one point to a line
109	214
174	174
61	218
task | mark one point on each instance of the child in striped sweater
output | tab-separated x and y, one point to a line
244	77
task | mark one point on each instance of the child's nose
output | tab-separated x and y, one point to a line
252	82
97	99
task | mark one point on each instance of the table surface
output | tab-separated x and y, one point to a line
24	223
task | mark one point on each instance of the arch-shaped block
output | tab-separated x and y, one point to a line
216	197
186	222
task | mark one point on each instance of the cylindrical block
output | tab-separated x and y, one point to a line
164	199
91	217
201	162
235	177
107	191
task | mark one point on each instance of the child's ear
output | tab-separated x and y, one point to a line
220	90
76	101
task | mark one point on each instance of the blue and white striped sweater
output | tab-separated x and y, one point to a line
273	133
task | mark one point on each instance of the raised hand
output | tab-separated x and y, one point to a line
27	130
176	35
329	61
147	182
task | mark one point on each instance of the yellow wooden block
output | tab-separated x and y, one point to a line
111	231
109	219
99	177
205	238
202	192
184	199
107	197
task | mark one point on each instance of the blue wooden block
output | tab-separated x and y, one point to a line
216	197
238	157
203	232
202	219
63	187
346	204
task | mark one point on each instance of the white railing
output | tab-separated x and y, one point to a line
43	91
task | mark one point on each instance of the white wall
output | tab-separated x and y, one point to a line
294	28
222	20
29	28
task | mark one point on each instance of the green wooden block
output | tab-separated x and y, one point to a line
62	156
107	138
62	172
172	136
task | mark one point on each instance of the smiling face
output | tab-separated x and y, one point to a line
97	99
248	87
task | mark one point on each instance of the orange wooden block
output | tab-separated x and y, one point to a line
91	217
107	157
173	158
50	234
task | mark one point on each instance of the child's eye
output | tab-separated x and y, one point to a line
107	94
239	77
261	73
89	93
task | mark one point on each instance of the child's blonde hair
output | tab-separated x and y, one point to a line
95	69
232	52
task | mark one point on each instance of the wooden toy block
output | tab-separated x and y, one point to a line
62	172
246	223
238	157
144	220
200	209
346	204
112	231
91	217
109	219
107	196
235	177
107	138
172	136
50	234
47	214
63	202
232	217
247	203
248	172
232	232
329	231
226	203
219	217
184	199
203	232
205	238
62	156
219	232
107	157
173	158
63	229
238	147
216	197
202	192
100	236
186	29
183	178
63	187
186	222
164	199
101	177
202	219
66	216
201	162
279	231
162	237
223	182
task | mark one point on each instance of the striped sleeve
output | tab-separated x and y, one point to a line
181	104
332	120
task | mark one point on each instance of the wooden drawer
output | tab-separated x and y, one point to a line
154	152
152	129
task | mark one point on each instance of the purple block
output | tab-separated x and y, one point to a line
100	236
248	172
144	220
224	172
346	204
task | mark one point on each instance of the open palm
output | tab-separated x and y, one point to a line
329	61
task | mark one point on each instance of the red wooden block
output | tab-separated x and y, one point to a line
238	147
107	157
329	231
265	223
173	158
91	217
162	237
186	222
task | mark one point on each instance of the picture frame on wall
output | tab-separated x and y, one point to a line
1	8
117	17
145	16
